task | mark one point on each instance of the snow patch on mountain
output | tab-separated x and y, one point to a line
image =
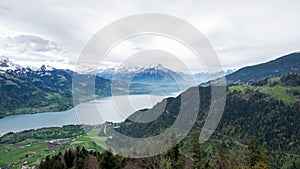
133	70
6	64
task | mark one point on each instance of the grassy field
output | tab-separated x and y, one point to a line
17	155
99	141
278	91
90	141
237	88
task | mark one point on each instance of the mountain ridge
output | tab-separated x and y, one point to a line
157	74
146	74
283	65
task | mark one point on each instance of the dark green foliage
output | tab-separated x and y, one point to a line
110	161
292	80
81	158
78	158
261	117
69	157
196	150
256	153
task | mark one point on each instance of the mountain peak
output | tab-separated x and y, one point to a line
154	66
45	68
6	64
159	65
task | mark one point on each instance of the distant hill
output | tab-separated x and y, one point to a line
278	67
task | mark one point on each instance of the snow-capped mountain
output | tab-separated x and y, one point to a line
6	65
157	74
132	70
149	74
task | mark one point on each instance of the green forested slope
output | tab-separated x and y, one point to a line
253	110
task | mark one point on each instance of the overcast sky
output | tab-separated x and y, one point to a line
54	32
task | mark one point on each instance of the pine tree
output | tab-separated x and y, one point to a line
256	153
196	150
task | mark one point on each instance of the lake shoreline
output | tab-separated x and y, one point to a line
84	113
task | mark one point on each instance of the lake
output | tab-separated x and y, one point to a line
112	109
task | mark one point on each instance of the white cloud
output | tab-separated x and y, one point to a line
32	50
30	43
242	32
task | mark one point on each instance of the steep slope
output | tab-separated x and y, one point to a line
281	66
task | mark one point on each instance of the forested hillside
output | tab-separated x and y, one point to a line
268	110
188	154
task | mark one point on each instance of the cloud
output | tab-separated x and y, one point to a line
242	32
31	43
32	50
4	8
